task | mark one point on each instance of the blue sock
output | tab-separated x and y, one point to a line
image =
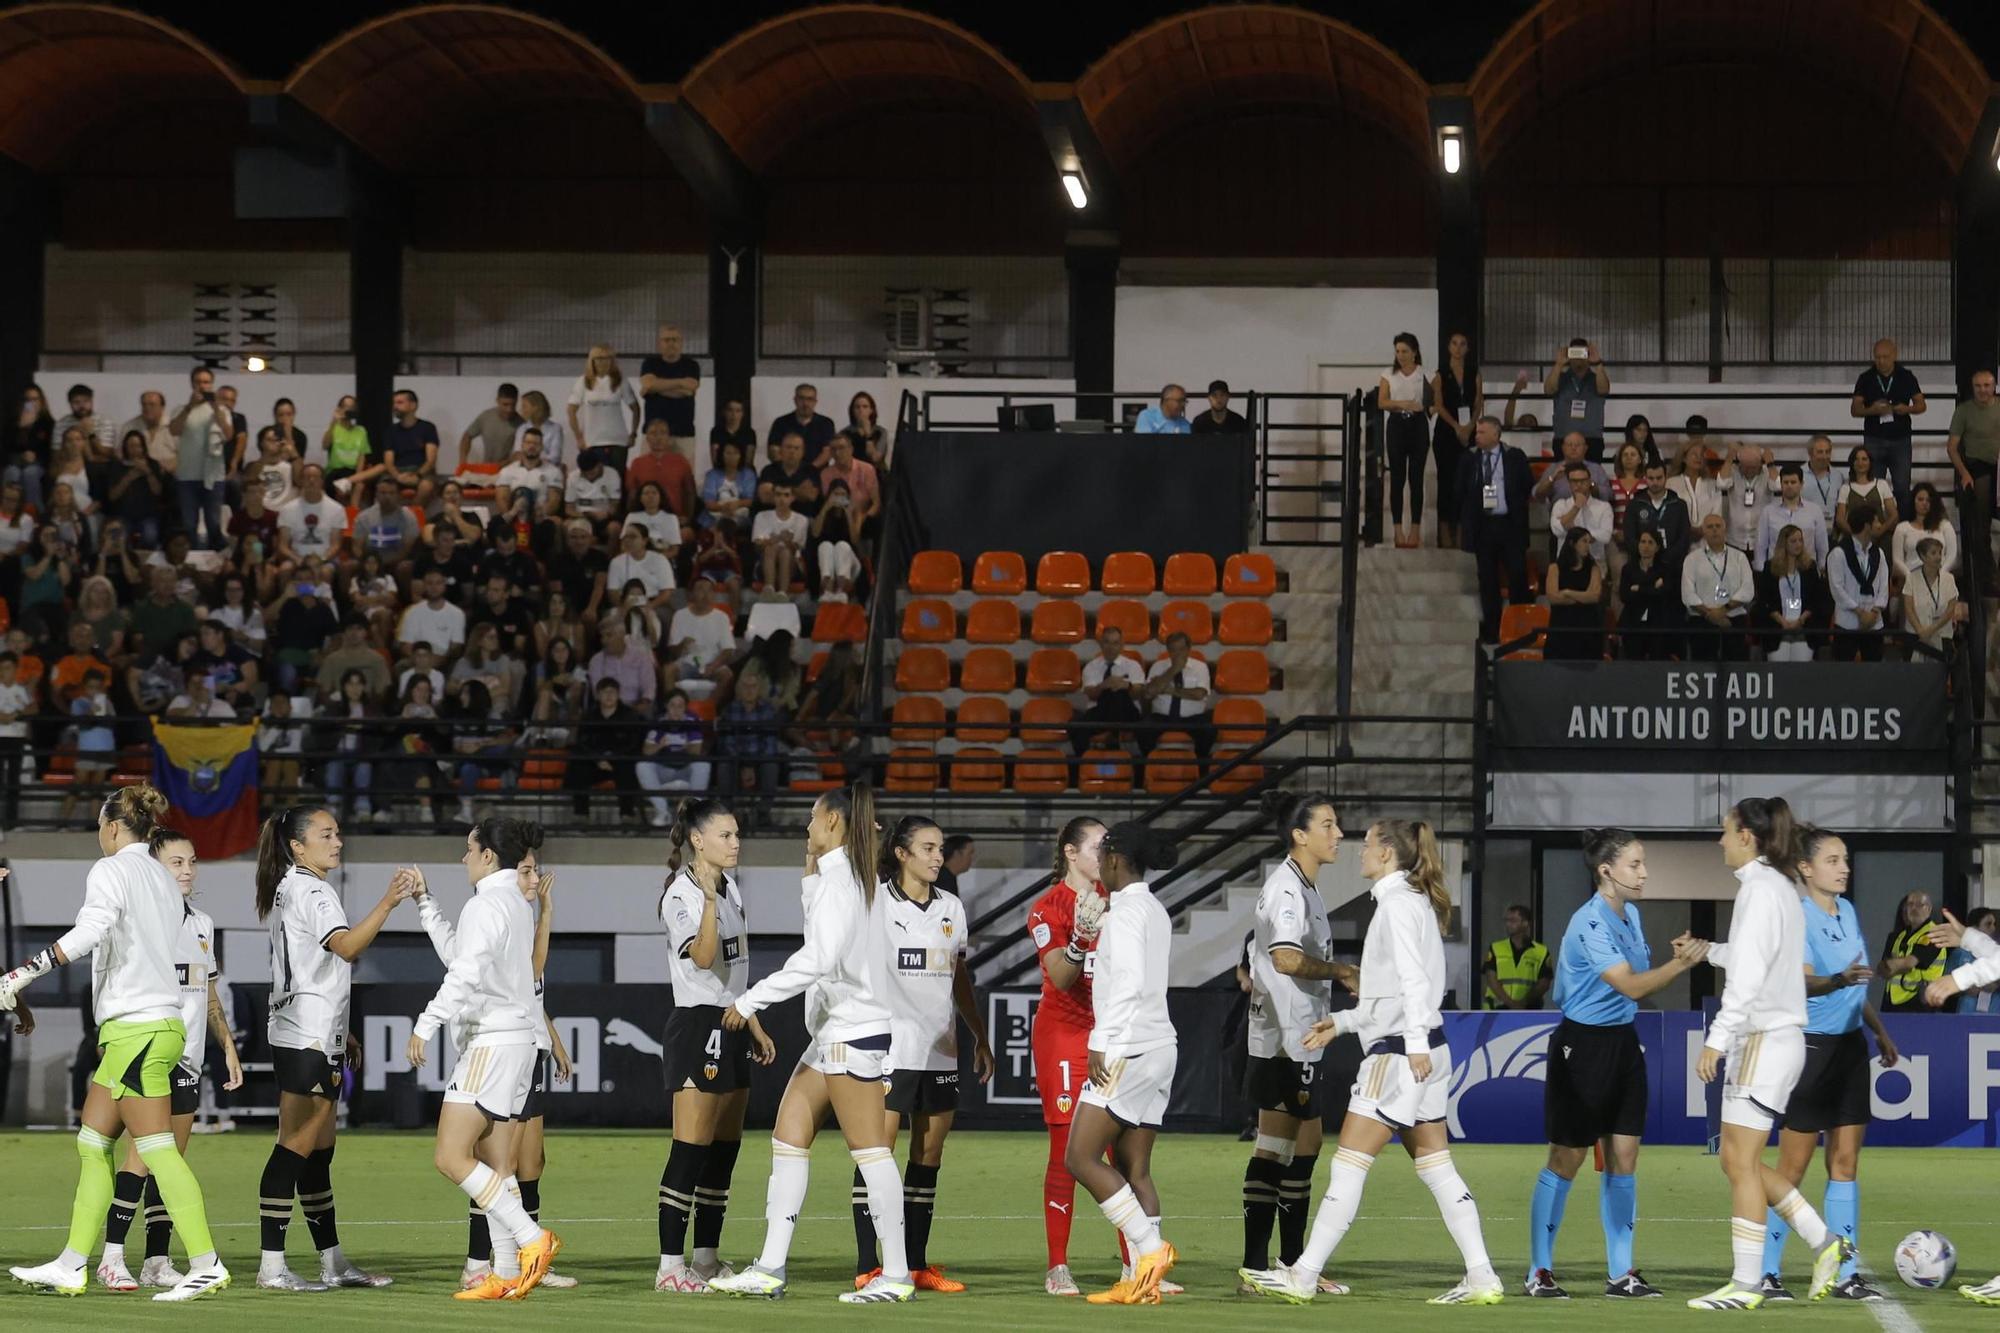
1545	1214
1618	1210
1776	1233
1843	1217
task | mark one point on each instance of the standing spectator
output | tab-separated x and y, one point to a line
1518	969
1580	508
1639	431
1492	505
151	423
203	427
667	382
138	490
409	457
1649	601
603	408
700	640
1910	961
671	757
1886	396
1575	589
1177	689
1717	588
1113	682
1930	598
1697	490
1458	398
1628	478
1659	511
1864	484
864	488
1579	384
285	416
733	427
83	416
313	523
346	443
1695	435
663	466
33	443
1218	420
1973	442
1790	510
605	750
780	536
871	442
1746	489
789	468
435	620
1168	417
814	429
1400	396
594	491
270	470
1858	576
834	556
959	851
538	416
1792	597
1824	482
490	438
1926	520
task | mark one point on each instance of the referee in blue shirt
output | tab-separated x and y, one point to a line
1596	1089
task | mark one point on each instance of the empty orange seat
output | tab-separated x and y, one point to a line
1518	622
826	774
1131	619
1000	574
1054	671
61	768
987	671
1242	671
542	770
1104	771
917	719
993	621
1041	772
923	671
1190	618
1169	769
1058	622
843	622
978	770
925	620
1239	721
1046	721
936	573
1250	575
1240	778
1245	624
1189	574
1062	574
911	770
1129	574
984	720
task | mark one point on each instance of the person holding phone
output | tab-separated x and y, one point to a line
204	428
1579	384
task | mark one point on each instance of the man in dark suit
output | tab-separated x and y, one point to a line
1494	492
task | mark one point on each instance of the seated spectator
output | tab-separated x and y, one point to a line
733	427
1580	507
605	750
715	558
559	692
343	733
72	469
1177	690
151	426
1113	689
1649	602
864	488
749	743
522	488
313	523
305	621
834	555
1168	417
671	757
17	704
96	742
1551	485
387	528
270	470
815	430
408	460
232	672
446	555
417	741
162	616
1696	489
489	440
483	743
771	655
511	616
871	442
1695	433
487	662
1926	520
727	493
560	623
503	558
423	666
46	578
1747	488
67	520
1578	386
594	490
191	568
36	440
137	494
662	467
281	745
1639	431
353	654
66	677
346	443
626	661
198	701
17	525
780	535
1717	589
243	618
1793	605
434	620
661	526
97	611
668	382
118	564
833	696
536	416
700	640
448	511
604	407
636	560
373	593
1858	576
1864	485
156	676
1931	608
1219	419
641	617
1575	589
1790	510
578	569
789	468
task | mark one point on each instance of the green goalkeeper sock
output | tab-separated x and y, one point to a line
181	1192
95	1185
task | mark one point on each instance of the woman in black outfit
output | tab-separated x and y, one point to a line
1460	399
1575	589
1793	602
733	428
1649	590
1400	398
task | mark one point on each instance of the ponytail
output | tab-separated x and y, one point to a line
690	817
1417	857
1602	846
1769	821
855	803
1072	835
889	868
1291	813
274	851
138	808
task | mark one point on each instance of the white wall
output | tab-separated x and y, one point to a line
771	397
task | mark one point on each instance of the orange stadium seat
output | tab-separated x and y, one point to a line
1058	622
1239	721
1054	671
1041	772
923	671
1171	768
814	667
1190	618
1237	779
1045	721
917	719
983	720
842	622
1104	772
925	620
1245	624
978	770
542	770
825	774
911	771
987	671
1131	619
936	573
993	621
1249	575
1242	671
1000	574
1189	574
1128	574
1062	574
1517	622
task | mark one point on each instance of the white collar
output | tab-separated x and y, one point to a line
1395	879
506	877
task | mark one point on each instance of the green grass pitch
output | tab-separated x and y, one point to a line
397	1216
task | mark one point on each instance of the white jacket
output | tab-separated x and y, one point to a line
1766	958
833	962
1402	967
1984	969
1128	990
130	924
488	993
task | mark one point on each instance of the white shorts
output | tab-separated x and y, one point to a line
1136	1088
496	1079
865	1058
1759	1074
1384	1089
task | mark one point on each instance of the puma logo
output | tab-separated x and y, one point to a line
1566	1051
1060	1207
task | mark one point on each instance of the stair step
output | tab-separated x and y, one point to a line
1395	630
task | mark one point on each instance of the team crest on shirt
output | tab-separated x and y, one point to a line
1303	1096
1064	1102
710	1070
946	927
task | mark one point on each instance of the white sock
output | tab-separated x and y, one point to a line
71	1259
669	1262
208	1259
1801	1218
706	1259
485	1187
331	1258
1122	1210
273	1261
1461	1214
783	1198
113	1254
1746	1249
1336	1211
885	1205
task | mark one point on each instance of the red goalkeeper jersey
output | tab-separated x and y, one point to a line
1050	923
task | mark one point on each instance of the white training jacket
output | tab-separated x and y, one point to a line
833	963
1984	969
488	993
1766	959
130	925
1402	967
1128	989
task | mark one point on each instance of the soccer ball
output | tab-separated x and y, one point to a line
1925	1260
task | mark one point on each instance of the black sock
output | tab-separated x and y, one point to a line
159	1227
919	1205
274	1196
1295	1207
1260	1209
316	1198
125	1196
864	1229
531	1198
677	1191
711	1196
478	1237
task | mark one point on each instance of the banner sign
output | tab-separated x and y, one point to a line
1778	716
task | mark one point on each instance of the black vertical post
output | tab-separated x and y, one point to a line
375	303
24	227
1461	250
1093	325
1718	302
735	269
1975	338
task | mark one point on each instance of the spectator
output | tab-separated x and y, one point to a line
1518	969
1177	689
959	851
1574	449
505	559
96	742
1864	485
834	696
1792	597
17	703
231	671
814	429
780	536
788	469
603	407
434	620
1695	434
138	490
347	448
1649	601
595	490
157	675
117	562
638	562
46	578
1985	999
268	470
285	418
1575	589
204	428
1973	444
650	514
1858	576
1580	508
1930	598
281	743
97	611
387	529
536	415
68	521
700	640
1400	396
748	740
662	466
1113	683
374	595
312	524
489	440
162	616
727	493
1639	431
354	655
1717	588
772	655
559	689
1697	490
833	547
1909	961
871	442
529	480
1886	396
1169	417
344	734
1790	510
671	757
83	417
33	442
241	617
733	427
1926	520
509	614
448	511
1218	420
482	744
864	488
625	661
1747	489
1492	505
17	525
1628	478
487	661
151	424
559	622
409	458
72	467
66	678
423	667
578	569
239	425
1824	482
1579	384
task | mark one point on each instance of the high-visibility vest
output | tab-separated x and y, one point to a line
1518	972
1904	989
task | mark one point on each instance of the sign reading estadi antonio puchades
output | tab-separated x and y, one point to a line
1677	715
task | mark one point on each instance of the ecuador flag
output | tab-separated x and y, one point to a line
209	777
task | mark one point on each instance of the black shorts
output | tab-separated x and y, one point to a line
1280	1083
532	1107
1596	1084
306	1073
702	1054
185	1096
922	1091
1834	1088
